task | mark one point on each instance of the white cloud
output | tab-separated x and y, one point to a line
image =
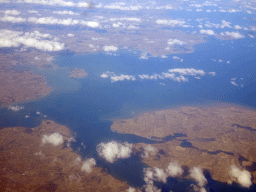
110	48
149	151
16	108
4	1
174	170
121	6
12	19
135	19
175	57
16	38
243	177
207	32
197	174
65	12
175	42
11	12
232	35
172	23
51	2
187	71
70	35
131	189
88	164
146	76
55	139
92	24
212	73
238	27
33	11
225	24
250	35
155	174
114	150
69	21
234	83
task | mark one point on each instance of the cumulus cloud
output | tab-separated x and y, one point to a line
207	32
55	139
12	19
149	151
88	164
155	174
243	177
10	38
174	170
110	48
172	23
70	35
131	189
232	35
175	42
197	174
11	12
114	150
238	27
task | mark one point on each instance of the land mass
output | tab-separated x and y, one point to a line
77	73
27	165
19	85
211	137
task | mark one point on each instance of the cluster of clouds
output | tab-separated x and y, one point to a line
54	139
65	12
113	150
177	74
233	82
34	39
56	3
51	20
243	177
172	23
232	35
173	170
16	108
114	78
226	34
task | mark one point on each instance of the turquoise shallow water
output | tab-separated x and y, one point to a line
87	105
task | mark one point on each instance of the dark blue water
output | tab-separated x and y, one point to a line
87	105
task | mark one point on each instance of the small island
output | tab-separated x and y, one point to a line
77	73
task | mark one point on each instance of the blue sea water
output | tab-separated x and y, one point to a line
88	105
